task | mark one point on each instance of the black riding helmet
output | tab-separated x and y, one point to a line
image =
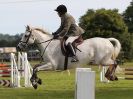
61	9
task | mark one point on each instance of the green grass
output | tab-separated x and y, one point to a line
57	85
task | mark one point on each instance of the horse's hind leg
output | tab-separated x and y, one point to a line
110	74
113	76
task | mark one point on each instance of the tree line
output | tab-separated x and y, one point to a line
110	23
7	40
98	23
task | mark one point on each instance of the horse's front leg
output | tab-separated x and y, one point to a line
35	80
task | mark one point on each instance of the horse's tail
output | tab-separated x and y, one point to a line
117	47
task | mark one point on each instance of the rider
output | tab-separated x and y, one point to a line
67	28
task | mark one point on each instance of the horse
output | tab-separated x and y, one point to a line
99	50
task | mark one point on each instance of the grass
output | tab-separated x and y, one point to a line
57	85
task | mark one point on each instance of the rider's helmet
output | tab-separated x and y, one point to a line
61	9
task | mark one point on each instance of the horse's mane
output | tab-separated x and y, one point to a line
41	30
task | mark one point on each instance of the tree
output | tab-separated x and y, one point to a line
107	23
7	40
103	23
128	17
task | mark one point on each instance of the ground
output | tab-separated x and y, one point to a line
57	85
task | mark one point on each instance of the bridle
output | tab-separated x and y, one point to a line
26	43
28	37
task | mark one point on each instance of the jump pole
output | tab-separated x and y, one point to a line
15	75
102	75
128	74
24	65
85	83
14	71
27	71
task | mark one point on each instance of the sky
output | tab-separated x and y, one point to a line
16	14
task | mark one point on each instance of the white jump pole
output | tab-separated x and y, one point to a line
85	83
15	76
102	74
12	76
27	72
19	61
24	67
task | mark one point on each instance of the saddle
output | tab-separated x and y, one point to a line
75	43
65	50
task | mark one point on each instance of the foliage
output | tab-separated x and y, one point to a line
128	17
103	23
107	23
7	40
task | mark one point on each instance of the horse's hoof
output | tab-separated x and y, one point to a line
108	78
39	81
113	78
116	78
35	86
34	83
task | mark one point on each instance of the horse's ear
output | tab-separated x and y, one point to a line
27	27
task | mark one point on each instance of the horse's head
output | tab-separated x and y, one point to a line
27	39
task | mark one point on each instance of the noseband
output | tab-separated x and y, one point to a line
28	37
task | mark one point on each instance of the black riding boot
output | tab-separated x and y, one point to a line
73	53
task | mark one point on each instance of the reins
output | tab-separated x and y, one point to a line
45	41
45	48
